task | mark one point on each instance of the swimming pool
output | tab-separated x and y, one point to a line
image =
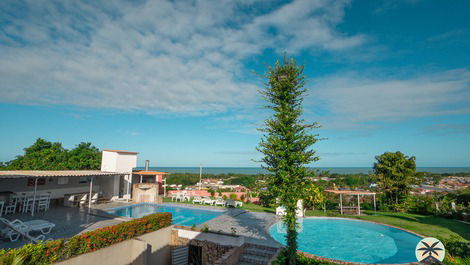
181	215
352	240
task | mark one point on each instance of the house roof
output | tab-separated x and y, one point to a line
54	173
121	151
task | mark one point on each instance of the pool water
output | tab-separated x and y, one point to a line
181	215
352	240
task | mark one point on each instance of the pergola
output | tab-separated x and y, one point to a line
359	193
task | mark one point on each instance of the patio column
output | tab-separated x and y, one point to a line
91	189
164	188
341	203
34	197
140	178
375	208
358	205
129	181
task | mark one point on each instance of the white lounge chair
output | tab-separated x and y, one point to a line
197	199
230	203
17	228
207	200
83	200
220	202
299	212
281	210
70	200
94	198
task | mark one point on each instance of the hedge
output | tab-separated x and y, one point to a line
53	251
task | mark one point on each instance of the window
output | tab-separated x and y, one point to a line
62	180
41	181
83	180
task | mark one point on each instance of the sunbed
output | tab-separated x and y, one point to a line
220	202
17	228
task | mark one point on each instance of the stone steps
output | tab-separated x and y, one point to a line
256	255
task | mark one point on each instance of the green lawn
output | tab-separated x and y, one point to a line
425	225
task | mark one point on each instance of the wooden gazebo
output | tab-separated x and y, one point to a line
359	193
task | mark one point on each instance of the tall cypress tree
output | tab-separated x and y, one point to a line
287	144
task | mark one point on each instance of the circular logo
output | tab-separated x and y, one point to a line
430	250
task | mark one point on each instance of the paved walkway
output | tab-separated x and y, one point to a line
253	226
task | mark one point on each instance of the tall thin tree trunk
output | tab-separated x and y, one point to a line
291	224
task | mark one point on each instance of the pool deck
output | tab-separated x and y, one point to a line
68	221
253	226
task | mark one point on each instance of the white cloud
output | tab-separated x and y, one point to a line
155	56
357	99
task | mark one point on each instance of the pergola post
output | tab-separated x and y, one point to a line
164	188
91	190
141	179
34	197
358	205
375	208
341	203
129	181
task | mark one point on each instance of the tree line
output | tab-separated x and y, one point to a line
46	155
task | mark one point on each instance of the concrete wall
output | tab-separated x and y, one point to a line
131	251
160	245
118	162
109	185
151	248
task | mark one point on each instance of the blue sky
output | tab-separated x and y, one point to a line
175	80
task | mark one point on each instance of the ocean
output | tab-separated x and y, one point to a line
257	170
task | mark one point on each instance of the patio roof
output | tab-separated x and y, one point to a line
54	173
352	192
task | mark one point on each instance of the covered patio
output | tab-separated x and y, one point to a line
358	193
68	222
28	191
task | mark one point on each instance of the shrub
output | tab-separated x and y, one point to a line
212	192
224	197
456	247
233	196
242	197
52	251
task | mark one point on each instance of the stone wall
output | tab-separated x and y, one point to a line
146	192
214	246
